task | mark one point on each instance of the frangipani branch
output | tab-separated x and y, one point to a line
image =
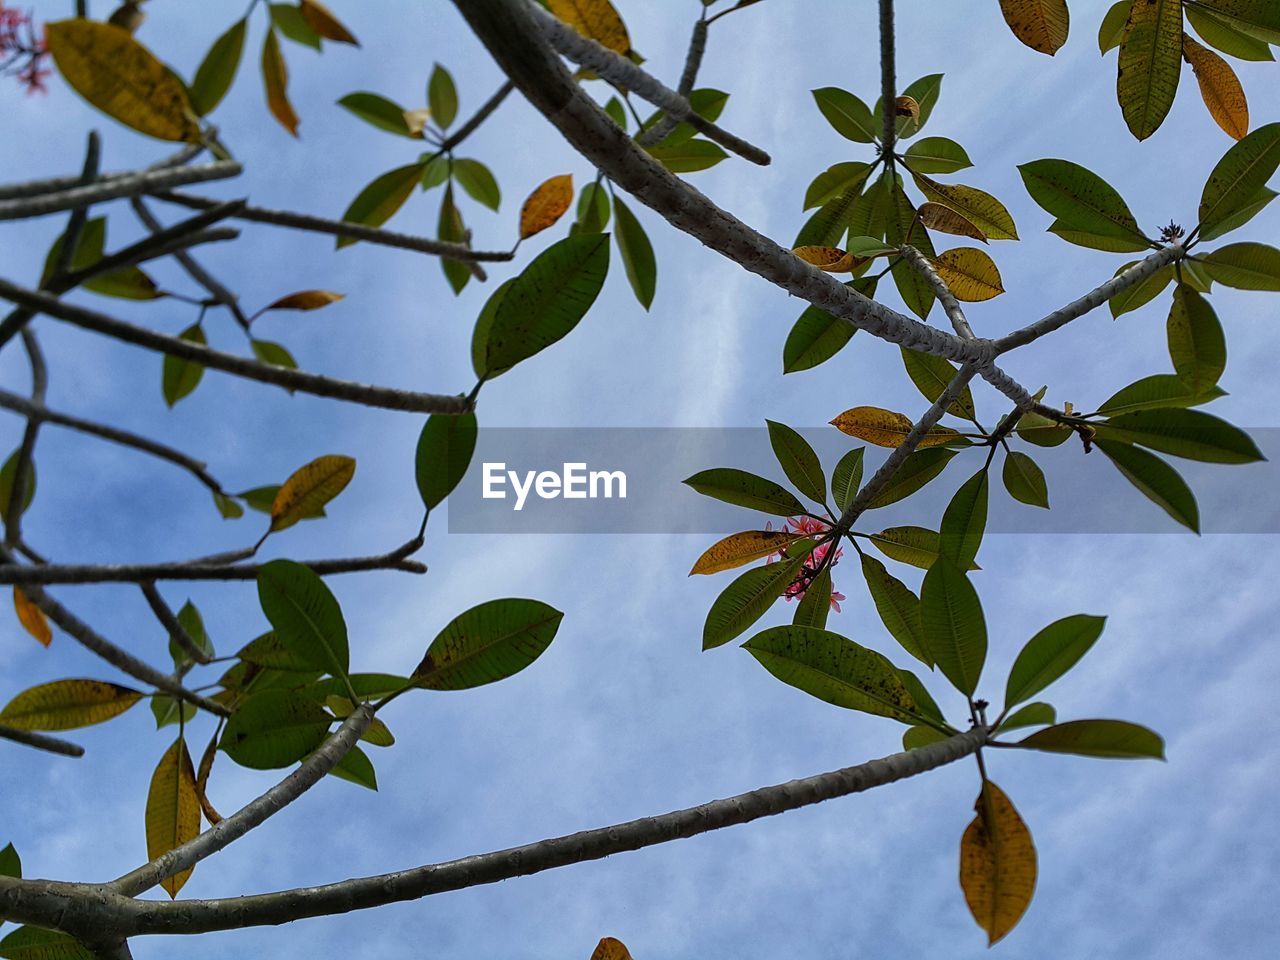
41	741
26	205
692	62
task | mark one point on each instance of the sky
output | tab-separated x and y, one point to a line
624	716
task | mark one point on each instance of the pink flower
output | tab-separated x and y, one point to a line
22	53
810	527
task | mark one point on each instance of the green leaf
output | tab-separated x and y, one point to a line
375	204
1197	344
167	711
68	705
1141	293
1245	266
1157	481
747	599
932	375
1050	654
1111	32
593	210
305	614
7	473
1032	715
1080	199
229	509
217	70
357	768
1190	434
489	642
128	283
849	116
1024	480
913	545
1258	18
902	227
545	302
36	943
475	178
818	335
1222	35
190	620
847	478
964	521
937	155
706	103
445	447
1150	64
977	206
913	738
1114	739
925	92
377	110
898	606
368	686
835	180
273	353
1156	392
435	170
689	156
925	705
617	112
1234	221
834	669
745	489
1096	241
480	335
442	97
289	20
10	863
268	650
1240	175
815	605
829	222
955	631
636	252
916	471
274	728
451	229
798	461
178	376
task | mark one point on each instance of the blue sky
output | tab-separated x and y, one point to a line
624	716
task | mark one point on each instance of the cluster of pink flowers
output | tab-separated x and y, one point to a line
810	527
22	53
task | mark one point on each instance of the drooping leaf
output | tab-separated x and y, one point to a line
846	479
919	468
173	810
489	642
745	489
1041	24
1197	344
970	273
1111	739
7	474
31	617
1080	199
1191	434
378	111
275	81
444	452
747	599
1024	480
596	19
309	488
637	254
180	376
274	728
1149	65
67	705
218	69
740	548
1050	654
324	23
1157	481
849	116
980	208
1238	178
964	521
377	202
442	96
1245	266
898	606
1219	88
815	605
955	631
798	461
997	863
305	616
885	428
451	228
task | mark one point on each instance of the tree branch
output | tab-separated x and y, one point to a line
126	185
950	305
692	62
888	85
41	741
170	622
477	118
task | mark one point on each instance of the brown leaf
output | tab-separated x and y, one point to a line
1219	87
997	864
886	428
739	548
940	217
830	259
275	78
31	617
907	107
1041	24
202	780
323	22
546	205
306	300
610	948
310	488
597	19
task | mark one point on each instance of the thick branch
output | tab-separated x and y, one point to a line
128	185
367	394
692	62
950	305
41	741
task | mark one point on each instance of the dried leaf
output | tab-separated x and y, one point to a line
305	300
546	205
31	617
275	79
323	22
830	259
310	488
739	548
940	217
1219	87
610	948
907	107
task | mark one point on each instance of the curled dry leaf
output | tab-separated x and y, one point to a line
885	428
610	948
830	259
275	80
306	300
323	22
907	107
31	617
546	205
739	548
310	488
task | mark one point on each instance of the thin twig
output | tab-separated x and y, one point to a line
41	741
128	185
172	624
888	86
692	62
479	117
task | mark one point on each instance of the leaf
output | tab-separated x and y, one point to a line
1233	222
1111	31
546	205
324	23
739	548
817	335
445	448
937	155
1258	18
273	729
833	669
375	204
268	650
1191	434
268	351
442	96
10	862
978	207
1157	481
1140	294
173	810
275	81
309	488
1224	36
902	227
1040	24
1024	480
593	210
1050	654
36	943
475	178
190	620
937	216
970	273
170	711
305	615
31	617
830	259
1032	715
637	254
815	605
847	478
1150	63
377	733
955	631
1150	393
7	472
964	521
1096	241
118	75
919	468
545	302
1219	88
288	19
1245	266
849	116
596	19
218	69
1081	200
913	738
1113	739
835	180
830	221
914	545
997	863
886	428
434	167
451	229
745	489
377	110
129	283
898	606
610	949
690	156
925	93
1241	174
747	599
1197	344
67	705
356	767
798	461
487	643
180	376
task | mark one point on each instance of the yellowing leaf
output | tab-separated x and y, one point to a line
1149	64
1041	24
970	273
173	810
830	259
275	80
31	617
610	949
122	78
940	217
306	300
67	704
309	489
885	428
323	22
596	19
1219	87
907	107
977	206
739	548
997	864
546	205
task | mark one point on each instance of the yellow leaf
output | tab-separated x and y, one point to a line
275	78
546	205
997	864
309	489
940	217
1041	24
596	19
31	617
173	810
970	273
610	949
306	300
739	548
885	428
67	704
1219	87
907	107
122	78
977	206
323	22
830	259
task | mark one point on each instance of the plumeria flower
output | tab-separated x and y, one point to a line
22	53
809	527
